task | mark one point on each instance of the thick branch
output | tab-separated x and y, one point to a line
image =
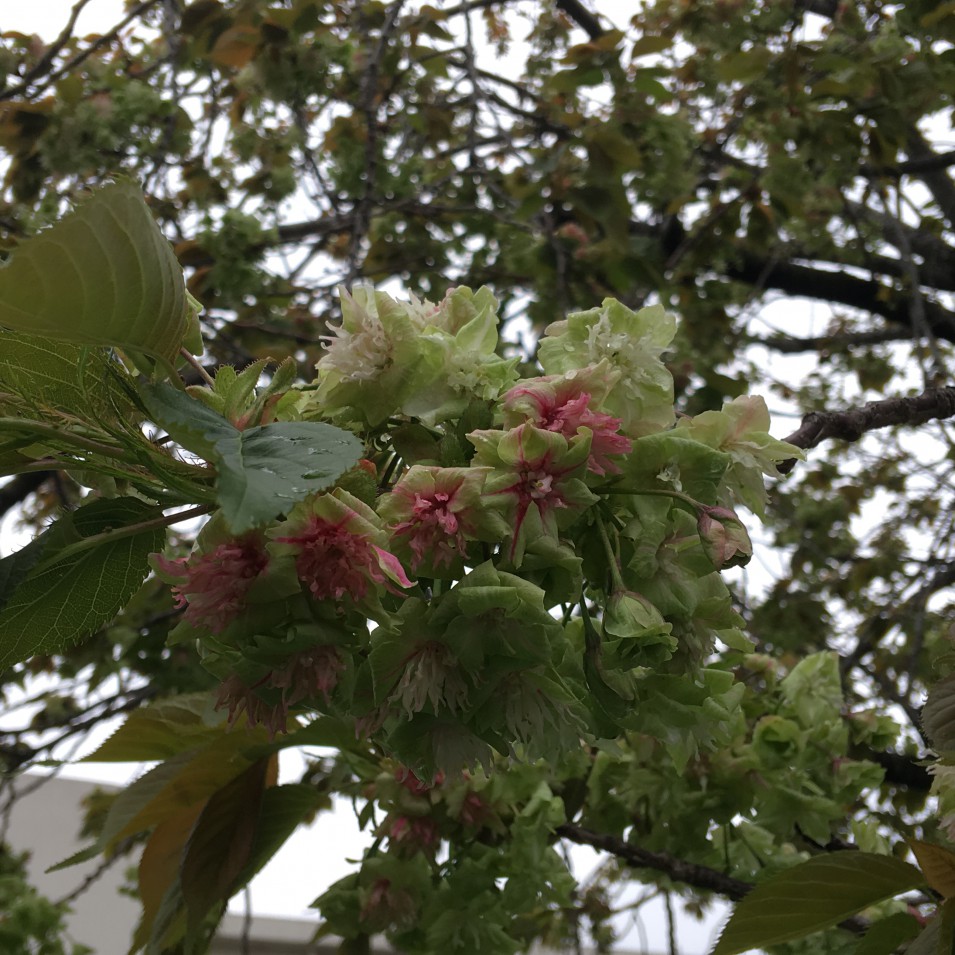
698	876
900	770
767	272
840	288
16	490
818	426
788	345
582	17
930	162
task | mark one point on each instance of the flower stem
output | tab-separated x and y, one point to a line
203	374
612	560
656	492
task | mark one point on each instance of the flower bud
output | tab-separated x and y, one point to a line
724	538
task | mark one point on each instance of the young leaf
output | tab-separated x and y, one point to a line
159	867
191	423
102	275
938	866
63	602
220	844
284	809
48	376
162	730
812	896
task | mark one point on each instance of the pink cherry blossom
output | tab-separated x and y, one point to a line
413	834
561	403
214	584
335	562
238	699
435	511
307	674
434	532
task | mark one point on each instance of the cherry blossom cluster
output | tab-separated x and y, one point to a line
484	497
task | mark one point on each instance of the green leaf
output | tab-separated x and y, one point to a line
190	422
938	937
812	896
886	935
162	730
220	844
48	376
57	604
284	809
264	470
102	275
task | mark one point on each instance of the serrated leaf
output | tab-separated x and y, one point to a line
938	866
191	423
263	471
59	604
47	375
15	567
162	730
284	809
103	275
159	867
812	896
886	935
220	844
184	780
938	714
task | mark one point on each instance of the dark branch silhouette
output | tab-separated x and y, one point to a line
818	426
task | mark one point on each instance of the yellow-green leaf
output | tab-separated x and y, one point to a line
103	275
937	865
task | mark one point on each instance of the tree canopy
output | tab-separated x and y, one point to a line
395	379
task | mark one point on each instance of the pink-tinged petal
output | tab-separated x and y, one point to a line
392	567
562	404
213	585
338	559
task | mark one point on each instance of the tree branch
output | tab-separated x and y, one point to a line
899	770
913	167
788	345
697	876
16	490
865	294
818	426
82	56
937	180
582	17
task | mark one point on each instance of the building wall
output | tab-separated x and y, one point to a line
46	822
